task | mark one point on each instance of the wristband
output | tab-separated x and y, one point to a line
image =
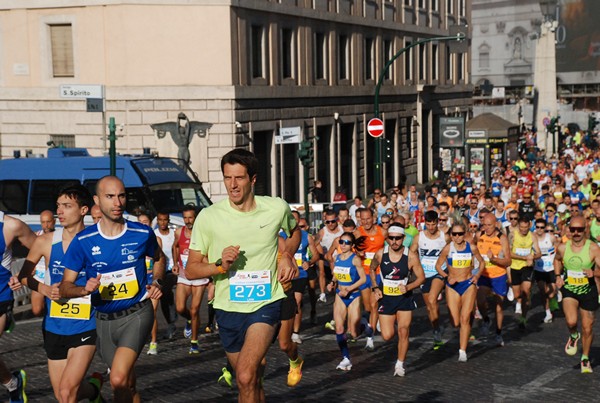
375	288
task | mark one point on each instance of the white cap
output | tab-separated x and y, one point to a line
562	208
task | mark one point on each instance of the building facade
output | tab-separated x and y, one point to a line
247	68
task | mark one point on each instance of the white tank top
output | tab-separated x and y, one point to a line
429	251
329	237
167	246
505	195
546	263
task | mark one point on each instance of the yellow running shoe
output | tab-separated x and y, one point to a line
295	373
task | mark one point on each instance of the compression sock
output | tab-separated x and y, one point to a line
342	342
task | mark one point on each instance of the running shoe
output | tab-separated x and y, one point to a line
344	365
170	331
296	338
586	367
559	296
295	374
208	329
330	325
571	346
194	347
18	395
187	332
153	349
499	340
518	310
510	295
462	356
399	369
437	340
10	320
226	378
322	297
548	318
369	346
97	381
478	314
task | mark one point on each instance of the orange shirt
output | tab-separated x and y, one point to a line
372	244
492	243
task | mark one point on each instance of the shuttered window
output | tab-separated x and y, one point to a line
61	39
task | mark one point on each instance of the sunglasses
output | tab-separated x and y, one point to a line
540	227
377	193
443	219
330	221
549	230
473	226
396	238
303	226
550	211
513	218
385	222
345	242
576	229
457	233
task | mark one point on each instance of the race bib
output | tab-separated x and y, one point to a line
392	287
73	308
453	189
342	274
369	258
119	285
428	263
469	189
298	257
184	259
462	260
40	271
250	286
522	251
577	278
546	263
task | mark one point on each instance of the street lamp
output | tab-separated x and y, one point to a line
545	76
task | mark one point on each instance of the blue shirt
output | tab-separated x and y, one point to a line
121	260
6	293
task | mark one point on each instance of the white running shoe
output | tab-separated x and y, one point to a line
369	346
378	326
518	309
510	295
399	369
462	356
558	296
296	338
345	364
548	318
323	297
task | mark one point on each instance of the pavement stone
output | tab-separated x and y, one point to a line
532	366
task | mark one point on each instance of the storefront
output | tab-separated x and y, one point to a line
490	140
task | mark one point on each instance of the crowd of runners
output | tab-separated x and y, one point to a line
474	245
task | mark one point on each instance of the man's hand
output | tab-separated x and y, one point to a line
286	269
559	282
14	283
53	292
176	269
377	294
230	255
589	273
154	291
92	284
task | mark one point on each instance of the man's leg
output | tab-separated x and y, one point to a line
121	381
197	294
55	371
167	302
72	385
37	303
403	318
587	331
182	292
525	296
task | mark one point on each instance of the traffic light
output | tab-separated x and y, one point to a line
305	153
592	122
388	150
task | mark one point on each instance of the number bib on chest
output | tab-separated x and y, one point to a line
577	278
428	264
252	286
119	285
546	263
298	257
392	287
184	259
461	260
73	308
342	274
522	251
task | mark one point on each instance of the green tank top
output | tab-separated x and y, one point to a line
595	230
575	263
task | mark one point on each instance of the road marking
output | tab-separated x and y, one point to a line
530	390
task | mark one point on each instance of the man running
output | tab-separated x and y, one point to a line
69	328
325	237
579	257
167	301
428	244
395	297
11	229
239	237
112	254
544	266
185	287
47	222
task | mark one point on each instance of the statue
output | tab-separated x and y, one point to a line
182	131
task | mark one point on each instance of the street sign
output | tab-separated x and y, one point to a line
289	135
94	104
375	127
546	121
80	91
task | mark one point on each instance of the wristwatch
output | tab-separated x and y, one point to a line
158	282
219	264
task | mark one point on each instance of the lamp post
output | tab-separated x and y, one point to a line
545	75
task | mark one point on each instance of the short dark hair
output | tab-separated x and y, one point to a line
191	207
243	157
77	192
431	216
349	223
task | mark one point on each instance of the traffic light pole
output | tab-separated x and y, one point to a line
458	37
112	137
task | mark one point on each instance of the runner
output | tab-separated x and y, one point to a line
458	256
579	257
395	296
112	254
544	267
325	238
239	237
69	328
166	234
47	222
185	287
11	229
348	275
96	213
428	245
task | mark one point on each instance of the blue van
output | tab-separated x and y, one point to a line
29	186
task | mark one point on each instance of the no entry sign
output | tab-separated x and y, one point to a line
375	127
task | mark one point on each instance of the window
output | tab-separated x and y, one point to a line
63	140
434	5
61	42
408	61
369	59
258	51
449	7
435	55
344	57
422	63
45	192
460	65
449	66
461	8
484	59
422	4
321	56
13	196
409	137
287	53
388	53
408	2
